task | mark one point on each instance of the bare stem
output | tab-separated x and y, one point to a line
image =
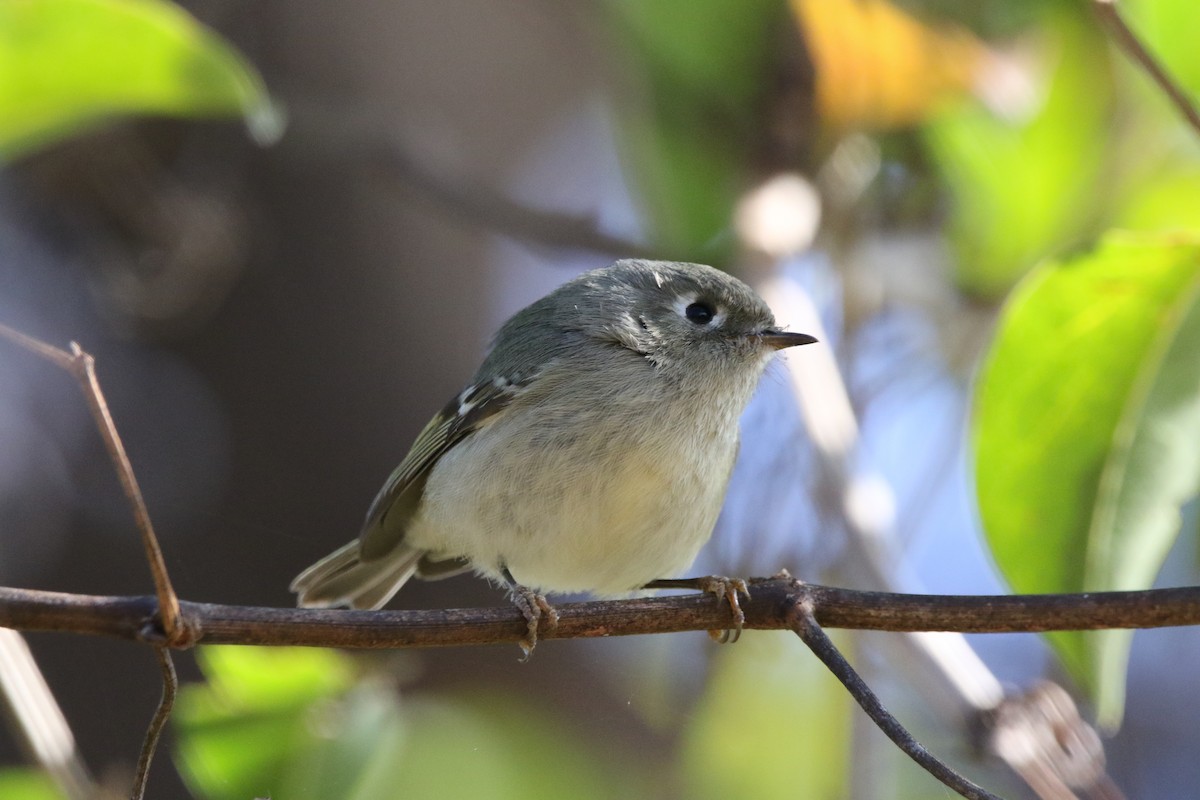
1128	41
806	627
157	723
60	358
81	365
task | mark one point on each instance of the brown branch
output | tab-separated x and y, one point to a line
805	626
157	723
83	367
770	607
1128	41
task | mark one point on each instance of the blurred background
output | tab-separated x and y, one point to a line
277	305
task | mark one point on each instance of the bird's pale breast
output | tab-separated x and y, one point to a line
606	511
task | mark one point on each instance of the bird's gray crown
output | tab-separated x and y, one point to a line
664	310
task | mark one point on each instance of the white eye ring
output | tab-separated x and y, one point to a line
689	306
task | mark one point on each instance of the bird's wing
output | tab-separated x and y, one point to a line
397	501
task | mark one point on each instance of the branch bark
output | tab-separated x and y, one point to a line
770	607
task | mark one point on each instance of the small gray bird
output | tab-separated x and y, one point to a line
590	452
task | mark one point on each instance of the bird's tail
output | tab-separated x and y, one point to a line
343	579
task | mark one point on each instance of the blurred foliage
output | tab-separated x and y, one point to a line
1087	419
769	684
247	731
1164	201
27	784
1025	186
68	64
302	723
880	68
494	745
702	70
713	84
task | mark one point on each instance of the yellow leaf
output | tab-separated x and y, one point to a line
877	67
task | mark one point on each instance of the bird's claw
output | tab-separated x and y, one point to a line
537	611
728	589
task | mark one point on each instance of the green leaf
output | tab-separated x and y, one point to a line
773	722
68	64
239	734
267	678
1024	188
1086	422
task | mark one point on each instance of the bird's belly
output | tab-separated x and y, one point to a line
563	520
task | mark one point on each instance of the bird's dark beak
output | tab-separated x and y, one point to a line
781	339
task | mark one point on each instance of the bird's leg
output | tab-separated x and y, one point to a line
534	607
722	587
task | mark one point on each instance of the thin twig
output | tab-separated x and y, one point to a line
157	723
83	366
60	358
1128	41
770	608
806	627
168	601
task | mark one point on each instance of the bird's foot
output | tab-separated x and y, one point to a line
538	612
534	607
728	588
724	588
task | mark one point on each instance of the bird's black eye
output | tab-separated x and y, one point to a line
699	313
